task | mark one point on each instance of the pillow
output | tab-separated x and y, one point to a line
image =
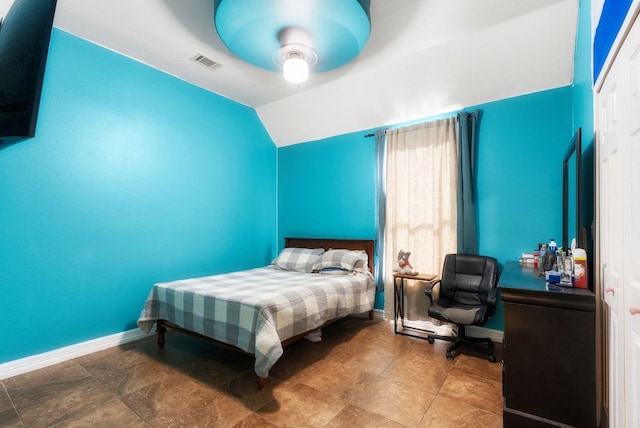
297	259
345	259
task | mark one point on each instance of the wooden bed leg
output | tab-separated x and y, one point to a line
262	382
371	315
161	330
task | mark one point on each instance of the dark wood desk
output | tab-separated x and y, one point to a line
549	352
399	284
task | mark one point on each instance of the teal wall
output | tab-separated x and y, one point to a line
327	187
134	177
582	105
582	108
522	142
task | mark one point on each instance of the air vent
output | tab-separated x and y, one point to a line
206	62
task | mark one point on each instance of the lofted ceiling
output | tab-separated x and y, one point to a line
423	58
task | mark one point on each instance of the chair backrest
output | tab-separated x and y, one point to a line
469	279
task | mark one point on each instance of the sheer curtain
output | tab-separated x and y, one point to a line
420	186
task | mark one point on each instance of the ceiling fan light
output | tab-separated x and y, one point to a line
295	69
337	30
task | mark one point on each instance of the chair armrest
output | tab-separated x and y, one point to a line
492	297
491	302
429	289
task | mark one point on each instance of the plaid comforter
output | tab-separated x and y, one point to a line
255	310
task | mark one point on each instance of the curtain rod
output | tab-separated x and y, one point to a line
372	134
446	117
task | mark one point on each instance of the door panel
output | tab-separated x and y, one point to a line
616	372
631	50
611	212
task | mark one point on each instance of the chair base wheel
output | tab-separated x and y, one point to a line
461	340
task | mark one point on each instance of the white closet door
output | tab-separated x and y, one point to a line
618	124
630	54
611	203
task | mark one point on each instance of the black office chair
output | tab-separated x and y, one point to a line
467	296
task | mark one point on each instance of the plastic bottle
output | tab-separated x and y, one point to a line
549	260
543	251
580	267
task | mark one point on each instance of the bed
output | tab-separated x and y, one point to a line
312	283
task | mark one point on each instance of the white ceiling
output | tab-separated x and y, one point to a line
423	58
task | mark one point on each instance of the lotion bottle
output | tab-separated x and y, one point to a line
580	266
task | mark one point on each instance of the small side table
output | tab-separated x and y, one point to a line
399	281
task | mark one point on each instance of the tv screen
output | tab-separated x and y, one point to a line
24	42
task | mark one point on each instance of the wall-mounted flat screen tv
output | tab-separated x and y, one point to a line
24	43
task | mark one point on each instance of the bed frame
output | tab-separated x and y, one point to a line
349	244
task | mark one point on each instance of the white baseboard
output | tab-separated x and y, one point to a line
35	362
495	335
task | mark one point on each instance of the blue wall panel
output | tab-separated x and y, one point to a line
613	14
134	177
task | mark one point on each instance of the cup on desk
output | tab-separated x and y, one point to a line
565	267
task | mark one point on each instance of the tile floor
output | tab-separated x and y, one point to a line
360	375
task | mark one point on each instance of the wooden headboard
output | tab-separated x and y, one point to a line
348	244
